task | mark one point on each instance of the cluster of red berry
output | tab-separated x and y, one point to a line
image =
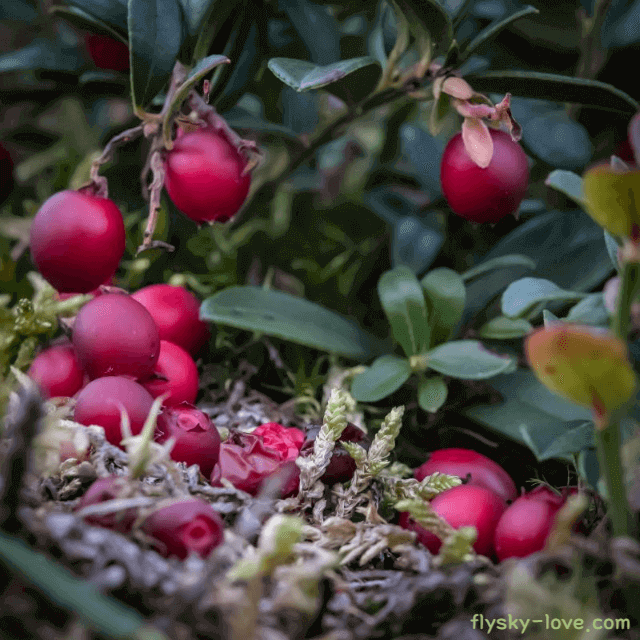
504	530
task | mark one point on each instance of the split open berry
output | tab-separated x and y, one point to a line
77	241
489	194
285	441
114	335
184	527
462	506
480	470
103	490
175	373
204	176
176	313
197	439
99	403
57	371
108	53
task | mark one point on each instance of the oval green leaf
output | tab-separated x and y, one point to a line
385	375
523	296
468	360
446	297
432	393
568	183
503	328
513	260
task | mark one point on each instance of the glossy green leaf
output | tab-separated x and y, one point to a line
498	263
385	376
432	393
44	54
111	12
155	38
194	12
279	314
315	27
523	296
433	18
568	183
446	297
590	310
612	249
84	20
579	436
493	30
406	309
502	328
589	468
349	79
534	84
468	360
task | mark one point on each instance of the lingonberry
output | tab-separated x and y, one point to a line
175	373
285	441
341	466
176	313
77	241
184	527
108	53
489	194
482	471
102	490
463	506
6	174
94	292
204	176
57	371
114	335
99	403
197	439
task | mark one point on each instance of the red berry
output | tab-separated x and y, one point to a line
114	335
285	441
57	371
525	525
197	439
77	241
204	176
484	195
176	313
94	292
175	373
108	53
462	462
188	526
102	490
462	506
6	174
99	403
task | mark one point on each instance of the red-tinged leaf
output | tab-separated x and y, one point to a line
477	141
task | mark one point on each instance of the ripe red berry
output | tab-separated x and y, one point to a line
108	53
184	527
102	490
77	241
176	313
94	292
116	336
462	462
197	439
6	174
525	525
484	195
204	176
99	403
57	371
175	373
462	506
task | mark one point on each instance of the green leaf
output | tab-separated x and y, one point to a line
406	309
84	20
446	294
590	310
239	118
523	296
433	19
155	38
503	328
568	183
279	314
432	393
498	263
350	80
535	84
589	468
490	32
195	11
111	12
385	376
612	249
468	360
579	436
549	319
42	54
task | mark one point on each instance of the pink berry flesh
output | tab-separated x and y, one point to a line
57	371
484	472
176	313
197	439
204	176
116	336
77	241
188	526
99	403
489	194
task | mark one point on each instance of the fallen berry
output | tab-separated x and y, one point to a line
184	527
99	403
102	490
114	335
57	371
